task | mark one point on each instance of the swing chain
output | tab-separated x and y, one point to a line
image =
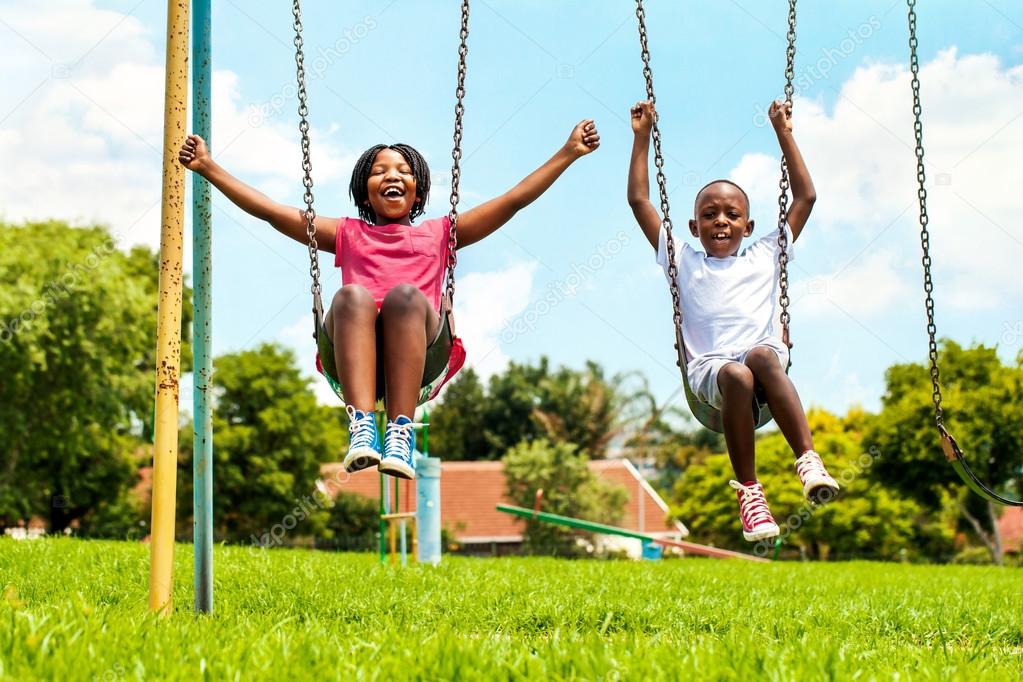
307	168
662	185
925	237
456	156
783	183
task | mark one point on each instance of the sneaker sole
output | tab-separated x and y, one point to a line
820	491
763	534
396	468
361	458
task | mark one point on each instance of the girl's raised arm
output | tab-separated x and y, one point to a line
483	220
287	220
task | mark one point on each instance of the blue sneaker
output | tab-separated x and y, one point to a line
363	441
399	448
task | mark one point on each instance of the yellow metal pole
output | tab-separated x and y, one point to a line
168	332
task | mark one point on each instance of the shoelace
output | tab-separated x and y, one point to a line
810	464
362	430
753	507
397	436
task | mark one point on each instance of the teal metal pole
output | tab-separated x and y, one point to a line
202	272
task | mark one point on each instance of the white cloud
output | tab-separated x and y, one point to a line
861	157
82	123
862	289
485	302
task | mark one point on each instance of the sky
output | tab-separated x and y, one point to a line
570	277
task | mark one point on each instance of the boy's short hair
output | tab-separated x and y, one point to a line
727	182
360	176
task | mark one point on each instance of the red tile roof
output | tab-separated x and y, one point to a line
470	492
1011	527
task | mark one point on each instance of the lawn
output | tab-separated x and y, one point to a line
76	610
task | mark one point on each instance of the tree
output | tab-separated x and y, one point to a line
570	489
77	356
528	402
867	521
457	424
271	437
982	403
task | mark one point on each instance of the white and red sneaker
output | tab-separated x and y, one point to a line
757	522
818	485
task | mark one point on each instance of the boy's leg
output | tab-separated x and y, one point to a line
735	381
782	398
818	485
351	324
409	323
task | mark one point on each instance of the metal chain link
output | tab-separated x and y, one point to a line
456	156
783	183
925	238
307	169
662	186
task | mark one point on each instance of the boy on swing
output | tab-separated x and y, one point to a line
729	302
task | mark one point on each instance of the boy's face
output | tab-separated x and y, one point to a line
722	219
391	187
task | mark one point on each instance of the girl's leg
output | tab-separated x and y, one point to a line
736	384
409	323
351	323
781	398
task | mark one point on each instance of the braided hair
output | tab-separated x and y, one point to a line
359	193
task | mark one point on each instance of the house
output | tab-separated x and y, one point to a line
1010	524
470	492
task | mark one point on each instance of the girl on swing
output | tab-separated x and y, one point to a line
729	310
385	318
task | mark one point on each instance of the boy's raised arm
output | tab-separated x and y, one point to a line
803	193
483	220
639	174
287	220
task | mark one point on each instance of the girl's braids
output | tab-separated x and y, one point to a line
360	176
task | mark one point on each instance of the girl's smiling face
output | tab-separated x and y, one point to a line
391	187
722	219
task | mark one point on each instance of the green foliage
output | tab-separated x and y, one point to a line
271	437
867	520
982	399
77	356
569	488
527	402
457	427
73	610
353	524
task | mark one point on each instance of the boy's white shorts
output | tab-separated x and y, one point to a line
703	371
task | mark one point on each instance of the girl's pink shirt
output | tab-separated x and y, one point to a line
381	257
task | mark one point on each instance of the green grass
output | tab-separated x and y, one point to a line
80	614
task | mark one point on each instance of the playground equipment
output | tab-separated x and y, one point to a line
592	527
951	448
169	316
704	413
424	520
